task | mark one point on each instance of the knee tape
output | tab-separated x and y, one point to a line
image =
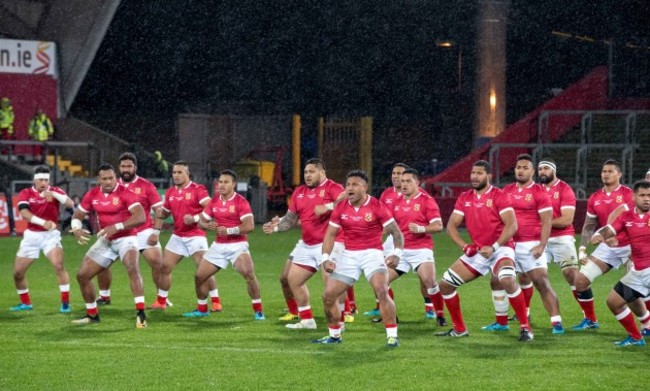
591	271
452	278
507	271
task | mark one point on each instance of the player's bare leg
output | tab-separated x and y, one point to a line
21	265
55	256
292	305
245	266
212	284
130	261
430	289
296	279
88	270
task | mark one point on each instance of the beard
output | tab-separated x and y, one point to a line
126	176
547	178
480	186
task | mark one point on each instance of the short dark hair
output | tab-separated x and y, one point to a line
41	170
182	163
230	173
525	156
612	162
359	174
403	165
642	184
316	162
128	156
105	167
482	163
412	171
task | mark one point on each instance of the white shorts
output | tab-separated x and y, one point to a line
311	256
562	250
388	246
525	261
142	240
35	241
352	263
482	265
613	256
223	254
186	246
412	259
104	252
639	280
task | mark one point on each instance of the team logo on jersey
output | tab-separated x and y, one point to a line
368	217
416	207
116	201
137	190
488	203
556	195
528	197
188	196
321	193
619	199
231	209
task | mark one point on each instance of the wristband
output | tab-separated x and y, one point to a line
119	226
329	206
75	224
196	218
232	231
59	197
325	257
276	229
421	229
495	246
155	231
397	252
37	220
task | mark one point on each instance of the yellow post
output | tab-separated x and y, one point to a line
321	136
365	147
295	148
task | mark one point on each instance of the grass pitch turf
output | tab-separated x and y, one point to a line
42	350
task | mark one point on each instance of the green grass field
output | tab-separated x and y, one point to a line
41	349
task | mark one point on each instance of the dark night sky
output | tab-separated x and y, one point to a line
375	58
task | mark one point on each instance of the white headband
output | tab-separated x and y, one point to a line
648	171
42	175
547	164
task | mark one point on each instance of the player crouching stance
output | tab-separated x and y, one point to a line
40	206
231	216
624	298
491	223
363	219
118	212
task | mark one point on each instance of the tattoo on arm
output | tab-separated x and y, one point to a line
288	221
398	238
588	231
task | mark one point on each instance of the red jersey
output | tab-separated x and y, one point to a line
39	206
147	195
303	202
389	196
528	202
229	214
363	226
483	214
181	202
421	210
637	228
601	204
562	197
111	208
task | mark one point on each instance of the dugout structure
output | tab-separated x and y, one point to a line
345	144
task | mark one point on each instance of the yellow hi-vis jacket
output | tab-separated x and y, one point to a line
40	128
